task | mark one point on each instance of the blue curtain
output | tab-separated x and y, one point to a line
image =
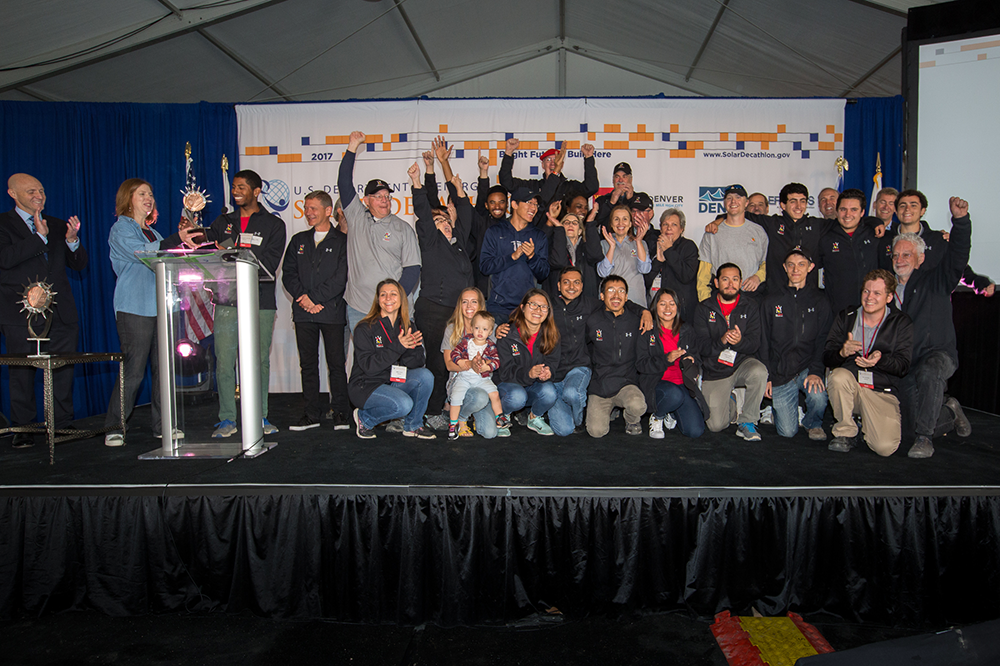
81	153
873	126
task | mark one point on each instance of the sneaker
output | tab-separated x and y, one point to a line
23	440
669	422
748	431
503	432
615	413
305	423
539	425
340	421
817	434
438	422
633	429
176	434
655	427
841	444
269	428
767	415
420	433
330	414
362	431
114	439
394	426
922	448
224	429
962	426
464	430
452	431
503	421
521	418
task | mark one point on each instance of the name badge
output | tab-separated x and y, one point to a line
866	379
246	240
398	373
727	357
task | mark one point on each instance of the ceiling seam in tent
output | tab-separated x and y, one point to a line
879	7
416	38
708	37
562	48
587	54
787	46
333	46
882	63
245	65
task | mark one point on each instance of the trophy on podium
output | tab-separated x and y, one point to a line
37	300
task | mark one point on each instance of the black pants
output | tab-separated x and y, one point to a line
433	319
137	337
922	399
307	339
62	340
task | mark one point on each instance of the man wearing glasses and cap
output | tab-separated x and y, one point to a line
738	241
622	191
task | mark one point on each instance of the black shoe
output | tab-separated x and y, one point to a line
305	423
363	432
23	440
329	414
341	422
962	426
841	444
521	417
420	433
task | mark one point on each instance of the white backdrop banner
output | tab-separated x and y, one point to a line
683	153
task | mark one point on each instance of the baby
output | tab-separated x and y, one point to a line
475	346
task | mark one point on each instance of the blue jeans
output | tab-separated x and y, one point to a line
477	402
674	399
407	399
540	396
785	403
567	412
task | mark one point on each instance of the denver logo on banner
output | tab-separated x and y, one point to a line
683	153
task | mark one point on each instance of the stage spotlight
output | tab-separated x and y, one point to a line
192	368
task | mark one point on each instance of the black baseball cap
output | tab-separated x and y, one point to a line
375	185
523	194
735	189
641	201
623	166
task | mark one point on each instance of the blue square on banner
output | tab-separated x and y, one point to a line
371	147
534	171
509	135
402	138
666	136
814	137
739	145
583	127
796	145
682	145
459	154
305	141
805	154
272	150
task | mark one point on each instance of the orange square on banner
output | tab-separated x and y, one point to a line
395	138
640	153
337	140
741	136
830	129
675	128
696	145
764	145
529	145
682	153
289	157
723	136
442	129
373	138
591	136
612	128
640	128
386	146
772	137
551	136
839	136
493	158
781	129
981	56
826	145
572	145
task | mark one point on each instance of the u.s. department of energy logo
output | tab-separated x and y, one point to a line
710	200
276	194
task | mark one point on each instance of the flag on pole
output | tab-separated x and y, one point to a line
876	183
842	166
196	301
225	184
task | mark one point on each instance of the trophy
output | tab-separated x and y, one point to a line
194	201
37	300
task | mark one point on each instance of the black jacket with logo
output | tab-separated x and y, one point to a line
794	326
571	320
710	326
651	362
446	268
612	342
845	261
271	231
936	247
376	350
894	339
319	272
516	361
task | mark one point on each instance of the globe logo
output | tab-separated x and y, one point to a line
276	194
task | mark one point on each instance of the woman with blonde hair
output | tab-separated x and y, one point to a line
388	380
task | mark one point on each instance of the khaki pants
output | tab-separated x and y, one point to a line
751	374
879	412
631	401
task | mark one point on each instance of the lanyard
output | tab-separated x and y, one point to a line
390	337
865	350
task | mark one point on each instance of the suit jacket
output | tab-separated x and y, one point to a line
23	260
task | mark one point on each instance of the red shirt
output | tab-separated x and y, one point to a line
244	221
727	308
530	342
669	340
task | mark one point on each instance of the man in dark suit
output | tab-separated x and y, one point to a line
38	247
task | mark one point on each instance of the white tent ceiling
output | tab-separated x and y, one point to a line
301	50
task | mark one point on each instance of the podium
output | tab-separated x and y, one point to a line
178	272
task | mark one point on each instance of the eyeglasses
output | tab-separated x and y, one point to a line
536	307
612	290
380	197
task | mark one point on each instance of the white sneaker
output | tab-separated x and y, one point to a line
669	422
767	416
655	427
114	439
802	415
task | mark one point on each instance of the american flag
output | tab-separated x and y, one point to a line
196	300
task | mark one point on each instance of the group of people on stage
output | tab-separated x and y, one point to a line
540	306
